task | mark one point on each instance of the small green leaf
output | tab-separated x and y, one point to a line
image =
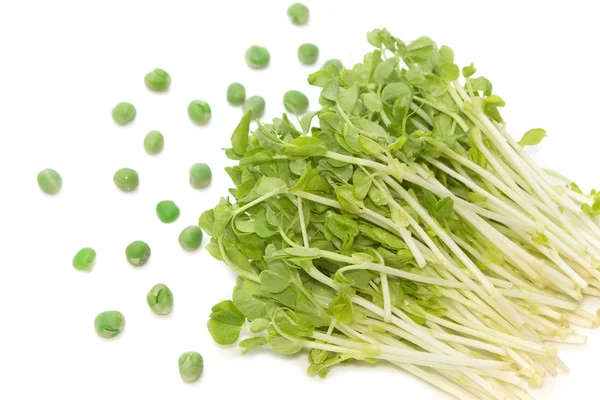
347	98
259	325
269	185
490	107
481	84
249	305
369	146
443	208
384	70
223	334
283	346
469	71
449	71
276	278
305	147
341	307
239	138
252	343
225	323
447	54
532	137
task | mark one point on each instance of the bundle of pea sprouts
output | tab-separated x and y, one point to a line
408	227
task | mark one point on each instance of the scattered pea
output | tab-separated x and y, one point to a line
256	104
295	102
160	299
49	181
199	112
236	94
167	211
200	175
308	53
158	80
191	238
126	179
109	324
123	113
298	13
154	142
137	253
335	62
191	365
257	57
84	259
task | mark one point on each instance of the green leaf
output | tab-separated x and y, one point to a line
532	137
420	50
362	186
276	278
207	220
306	120
252	343
222	215
347	98
372	128
341	307
449	71
443	208
267	185
540	238
223	334
239	138
447	54
305	147
469	71
213	249
259	325
225	323
372	102
384	70
345	196
341	226
369	146
249	305
283	346
481	84
490	107
303	252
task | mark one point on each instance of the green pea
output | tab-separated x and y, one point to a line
84	259
308	53
109	324
256	104
199	112
191	238
137	253
126	179
236	94
298	13
154	142
200	175
257	57
335	62
123	113
295	102
49	181
158	80
160	299
167	211
191	365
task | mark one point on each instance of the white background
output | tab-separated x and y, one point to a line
65	64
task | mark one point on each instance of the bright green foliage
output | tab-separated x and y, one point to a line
167	211
109	324
191	366
200	175
199	112
160	299
255	104
154	142
401	223
298	14
532	137
257	57
158	80
236	94
137	253
308	53
334	62
49	181
84	259
191	238
295	102
123	113
126	179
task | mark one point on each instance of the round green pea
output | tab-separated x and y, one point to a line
257	57
236	94
191	365
167	211
199	112
126	179
295	102
137	253
308	53
158	80
256	104
109	324
335	62
154	142
49	181
298	13
123	113
160	299
200	175
191	238
84	259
